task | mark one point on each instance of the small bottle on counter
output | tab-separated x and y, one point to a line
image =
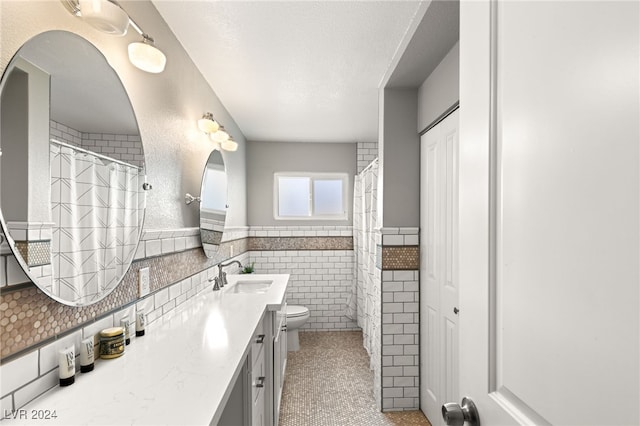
67	366
140	323
111	342
86	355
126	325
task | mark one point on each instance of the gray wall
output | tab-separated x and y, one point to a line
400	158
266	158
166	105
440	90
404	113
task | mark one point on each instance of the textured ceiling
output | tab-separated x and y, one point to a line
300	71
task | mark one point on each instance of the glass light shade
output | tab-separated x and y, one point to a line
147	57
229	145
104	16
220	136
207	124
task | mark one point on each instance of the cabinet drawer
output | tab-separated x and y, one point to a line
258	343
259	379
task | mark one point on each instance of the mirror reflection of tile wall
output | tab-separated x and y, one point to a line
126	148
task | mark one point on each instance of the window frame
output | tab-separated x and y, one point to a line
312	176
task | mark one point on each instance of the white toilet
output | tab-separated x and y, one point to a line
296	317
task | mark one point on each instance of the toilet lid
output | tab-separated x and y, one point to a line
296	311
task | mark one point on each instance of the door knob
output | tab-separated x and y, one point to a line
455	415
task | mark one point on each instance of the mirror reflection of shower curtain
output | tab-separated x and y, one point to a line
364	301
95	210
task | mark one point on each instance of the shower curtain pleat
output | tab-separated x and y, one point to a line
363	303
94	208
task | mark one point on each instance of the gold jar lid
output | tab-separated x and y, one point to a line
112	332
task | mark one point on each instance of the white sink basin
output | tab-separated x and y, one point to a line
251	286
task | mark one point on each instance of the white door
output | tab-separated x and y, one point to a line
549	212
438	267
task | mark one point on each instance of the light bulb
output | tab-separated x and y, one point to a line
229	145
220	136
105	16
146	56
207	124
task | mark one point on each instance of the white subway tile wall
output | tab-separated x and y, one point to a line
321	280
400	340
400	328
366	152
156	242
127	148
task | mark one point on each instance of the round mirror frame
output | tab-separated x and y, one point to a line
23	247
213	203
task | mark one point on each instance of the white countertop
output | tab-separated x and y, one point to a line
179	373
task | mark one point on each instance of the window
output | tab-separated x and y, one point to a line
310	196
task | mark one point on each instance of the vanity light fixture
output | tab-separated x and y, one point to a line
207	123
109	17
221	139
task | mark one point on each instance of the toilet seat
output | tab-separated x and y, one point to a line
296	311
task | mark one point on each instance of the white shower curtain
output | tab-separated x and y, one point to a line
364	303
96	214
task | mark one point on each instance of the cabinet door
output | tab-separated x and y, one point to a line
258	417
259	383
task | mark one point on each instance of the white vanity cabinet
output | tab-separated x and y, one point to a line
259	381
267	361
275	326
265	365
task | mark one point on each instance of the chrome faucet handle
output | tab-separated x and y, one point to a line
216	285
224	279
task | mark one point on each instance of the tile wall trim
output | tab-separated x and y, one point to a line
299	243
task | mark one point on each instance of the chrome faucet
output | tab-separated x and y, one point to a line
222	276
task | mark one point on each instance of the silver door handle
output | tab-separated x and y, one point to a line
455	415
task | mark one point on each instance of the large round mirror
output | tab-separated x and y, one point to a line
213	203
71	169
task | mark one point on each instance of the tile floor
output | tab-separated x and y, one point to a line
328	383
